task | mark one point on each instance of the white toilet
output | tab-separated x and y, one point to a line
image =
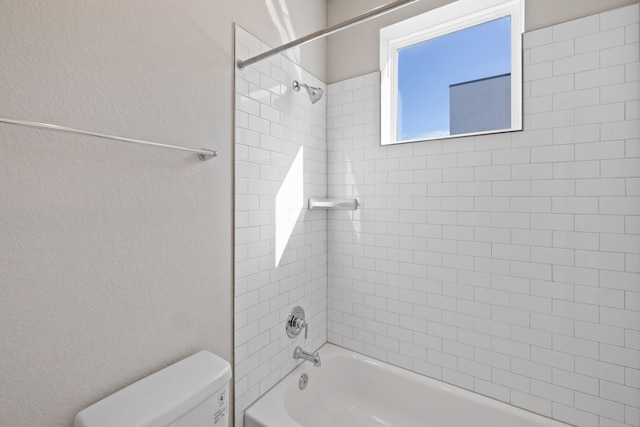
193	392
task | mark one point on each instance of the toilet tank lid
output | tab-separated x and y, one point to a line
162	397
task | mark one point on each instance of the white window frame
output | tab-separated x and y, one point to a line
453	17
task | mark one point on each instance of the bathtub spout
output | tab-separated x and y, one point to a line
299	353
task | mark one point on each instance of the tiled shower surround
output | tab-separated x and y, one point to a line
280	246
507	264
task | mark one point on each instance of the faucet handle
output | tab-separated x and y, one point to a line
302	324
299	324
295	323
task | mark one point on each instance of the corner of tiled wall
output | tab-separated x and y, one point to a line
506	264
280	246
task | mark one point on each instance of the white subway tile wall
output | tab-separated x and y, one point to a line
506	264
280	246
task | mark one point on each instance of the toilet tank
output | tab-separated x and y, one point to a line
193	392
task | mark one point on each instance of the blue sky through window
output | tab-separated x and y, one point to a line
426	69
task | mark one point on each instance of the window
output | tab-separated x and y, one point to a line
453	71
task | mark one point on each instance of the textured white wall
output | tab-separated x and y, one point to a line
355	51
116	260
281	255
507	264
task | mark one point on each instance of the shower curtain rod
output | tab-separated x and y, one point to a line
373	13
203	154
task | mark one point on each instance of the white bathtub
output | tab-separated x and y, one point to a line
353	390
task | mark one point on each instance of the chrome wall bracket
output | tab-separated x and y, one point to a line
296	322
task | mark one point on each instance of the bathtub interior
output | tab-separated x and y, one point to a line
356	391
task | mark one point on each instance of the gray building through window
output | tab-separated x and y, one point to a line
480	105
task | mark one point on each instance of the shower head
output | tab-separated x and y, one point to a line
315	93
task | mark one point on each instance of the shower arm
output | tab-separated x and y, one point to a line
373	13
